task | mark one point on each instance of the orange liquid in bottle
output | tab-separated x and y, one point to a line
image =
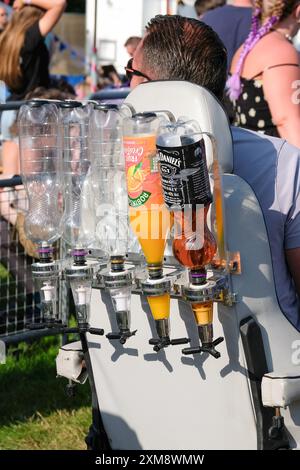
149	218
160	306
203	312
151	227
194	246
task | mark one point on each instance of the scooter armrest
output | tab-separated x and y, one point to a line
280	390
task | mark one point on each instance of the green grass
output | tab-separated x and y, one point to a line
4	273
35	412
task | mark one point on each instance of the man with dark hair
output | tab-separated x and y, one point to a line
170	49
131	44
180	48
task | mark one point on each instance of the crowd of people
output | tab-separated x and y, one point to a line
24	63
25	60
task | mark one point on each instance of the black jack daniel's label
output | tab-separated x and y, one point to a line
184	175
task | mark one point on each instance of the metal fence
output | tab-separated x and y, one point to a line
18	301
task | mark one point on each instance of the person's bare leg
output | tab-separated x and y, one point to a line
10	158
11	167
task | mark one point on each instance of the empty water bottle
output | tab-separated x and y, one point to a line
76	163
106	181
41	170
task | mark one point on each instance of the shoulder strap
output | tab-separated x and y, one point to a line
273	67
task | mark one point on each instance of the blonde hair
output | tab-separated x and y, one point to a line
280	8
11	43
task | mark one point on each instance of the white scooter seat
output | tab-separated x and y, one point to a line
143	395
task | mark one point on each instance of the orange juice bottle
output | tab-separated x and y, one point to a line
149	218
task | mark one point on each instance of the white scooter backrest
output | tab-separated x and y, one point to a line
195	102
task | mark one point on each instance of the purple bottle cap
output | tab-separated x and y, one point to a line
198	275
80	252
45	250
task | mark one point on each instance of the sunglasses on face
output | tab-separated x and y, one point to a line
130	71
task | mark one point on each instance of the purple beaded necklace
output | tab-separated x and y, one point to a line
233	85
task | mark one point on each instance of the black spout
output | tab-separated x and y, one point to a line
205	347
165	341
122	336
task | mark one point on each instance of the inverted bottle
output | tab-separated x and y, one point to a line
75	134
149	217
110	211
187	193
41	171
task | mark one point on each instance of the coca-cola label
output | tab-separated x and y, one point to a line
184	175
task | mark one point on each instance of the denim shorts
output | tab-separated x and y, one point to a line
7	120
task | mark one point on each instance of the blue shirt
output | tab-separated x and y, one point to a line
232	24
187	11
271	167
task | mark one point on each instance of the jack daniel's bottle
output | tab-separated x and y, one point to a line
186	188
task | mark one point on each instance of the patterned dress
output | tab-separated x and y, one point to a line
251	109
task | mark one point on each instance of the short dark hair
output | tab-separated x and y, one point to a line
179	48
132	41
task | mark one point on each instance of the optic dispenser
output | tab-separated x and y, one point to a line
149	217
187	193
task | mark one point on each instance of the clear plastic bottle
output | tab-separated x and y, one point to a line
41	170
106	184
74	119
105	188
